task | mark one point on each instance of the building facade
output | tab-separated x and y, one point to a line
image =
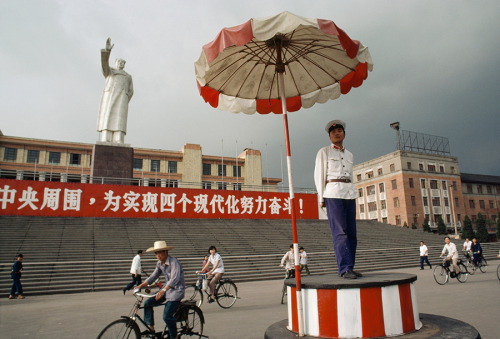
49	160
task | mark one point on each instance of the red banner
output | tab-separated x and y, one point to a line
39	198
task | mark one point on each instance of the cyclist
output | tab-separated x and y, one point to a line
173	291
476	251
466	249
215	273
451	256
288	261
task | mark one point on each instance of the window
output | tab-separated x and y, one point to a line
172	183
408	164
410	182
422	183
383	205
481	204
454	185
360	192
369	175
394	184
358	177
221	170
434	184
452	169
379	171
54	157
33	156
75	159
206	185
448	218
498	190
10	154
137	164
469	188
436	201
488	189
172	166
443	184
372	206
446	202
155	165
398	220
221	185
491	204
237	187
480	189
421	166
370	190
431	168
392	167
426	202
413	201
362	208
441	168
237	171
415	219
396	202
456	202
381	187
472	204
207	169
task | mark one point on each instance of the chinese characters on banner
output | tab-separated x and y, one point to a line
35	198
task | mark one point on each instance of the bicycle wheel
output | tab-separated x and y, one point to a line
121	328
192	293
192	325
462	276
483	265
498	272
226	294
283	294
471	268
440	274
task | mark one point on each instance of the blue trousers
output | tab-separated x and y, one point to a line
136	281
342	219
426	259
168	314
16	286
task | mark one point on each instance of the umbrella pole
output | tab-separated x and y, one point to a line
281	86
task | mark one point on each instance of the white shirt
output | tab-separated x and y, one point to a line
467	245
303	258
423	251
213	260
288	260
332	163
452	250
136	265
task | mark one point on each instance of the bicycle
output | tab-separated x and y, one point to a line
226	292
469	263
189	317
289	273
442	272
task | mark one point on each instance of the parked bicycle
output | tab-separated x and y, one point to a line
226	292
189	317
289	273
442	272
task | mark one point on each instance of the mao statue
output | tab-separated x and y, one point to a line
118	90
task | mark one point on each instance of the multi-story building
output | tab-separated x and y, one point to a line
49	160
409	187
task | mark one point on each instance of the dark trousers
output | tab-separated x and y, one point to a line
135	282
16	286
168	313
426	259
342	219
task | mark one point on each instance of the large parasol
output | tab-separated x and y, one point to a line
280	64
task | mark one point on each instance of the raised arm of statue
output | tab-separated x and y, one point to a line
105	53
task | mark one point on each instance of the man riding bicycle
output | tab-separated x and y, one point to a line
288	261
451	256
171	294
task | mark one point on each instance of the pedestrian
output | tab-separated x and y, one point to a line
170	295
136	271
333	179
16	277
424	253
303	260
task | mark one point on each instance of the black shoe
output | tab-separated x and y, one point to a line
349	275
210	300
421	269
430	267
124	290
359	275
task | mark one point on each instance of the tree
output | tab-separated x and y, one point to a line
413	226
441	226
481	230
467	231
498	227
405	225
425	226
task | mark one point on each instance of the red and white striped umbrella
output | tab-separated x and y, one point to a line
280	64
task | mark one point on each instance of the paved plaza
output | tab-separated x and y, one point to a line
83	315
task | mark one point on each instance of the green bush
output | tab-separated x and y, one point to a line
481	230
441	226
425	226
413	226
467	231
498	227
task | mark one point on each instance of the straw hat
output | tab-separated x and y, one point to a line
159	246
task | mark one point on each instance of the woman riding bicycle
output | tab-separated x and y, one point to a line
477	251
215	273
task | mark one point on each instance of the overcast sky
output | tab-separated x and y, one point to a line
435	71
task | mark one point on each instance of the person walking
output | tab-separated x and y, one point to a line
424	253
303	260
171	294
333	179
16	277
136	271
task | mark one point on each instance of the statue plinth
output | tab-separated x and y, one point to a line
112	163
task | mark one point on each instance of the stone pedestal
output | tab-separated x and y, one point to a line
112	163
